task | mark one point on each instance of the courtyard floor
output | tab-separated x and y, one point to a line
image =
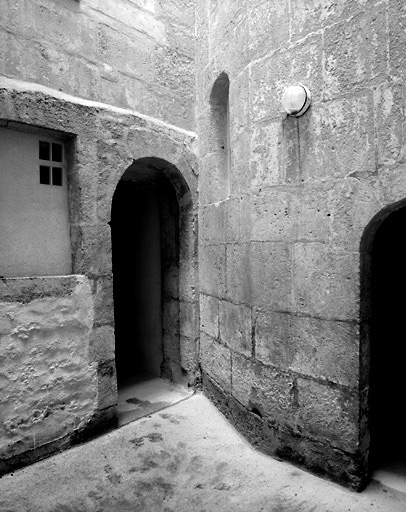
184	458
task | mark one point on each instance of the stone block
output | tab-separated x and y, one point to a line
326	282
389	102
236	327
355	52
214	181
274	215
171	315
328	413
265	156
270	77
337	138
215	360
212	259
209	315
103	300
240	173
352	204
91	249
393	183
309	16
396	38
228	38
269	27
212	223
266	390
102	343
129	15
321	349
239	104
238	279
189	359
107	385
189	319
270	274
315	215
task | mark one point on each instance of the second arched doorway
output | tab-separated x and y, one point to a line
384	309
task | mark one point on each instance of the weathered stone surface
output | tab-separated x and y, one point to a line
389	101
238	277
240	179
269	77
309	16
236	327
337	138
212	269
188	319
102	344
49	387
325	282
215	360
396	35
264	162
362	60
270	274
322	349
267	390
209	315
352	204
116	52
214	181
189	357
328	413
106	384
315	218
269	27
274	215
91	249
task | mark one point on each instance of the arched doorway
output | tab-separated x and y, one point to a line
146	243
387	345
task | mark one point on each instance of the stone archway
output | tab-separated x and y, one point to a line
383	351
151	210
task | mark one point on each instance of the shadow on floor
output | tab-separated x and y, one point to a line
143	395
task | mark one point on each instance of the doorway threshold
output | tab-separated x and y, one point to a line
144	395
392	474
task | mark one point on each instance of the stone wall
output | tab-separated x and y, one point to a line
48	384
72	317
136	54
279	251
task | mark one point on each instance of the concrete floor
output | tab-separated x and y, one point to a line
185	458
145	395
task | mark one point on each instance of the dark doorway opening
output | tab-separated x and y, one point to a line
145	252
388	345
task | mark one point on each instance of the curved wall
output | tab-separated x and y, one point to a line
280	256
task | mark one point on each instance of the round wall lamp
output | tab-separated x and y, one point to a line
296	100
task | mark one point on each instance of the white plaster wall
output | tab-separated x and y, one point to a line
48	388
34	218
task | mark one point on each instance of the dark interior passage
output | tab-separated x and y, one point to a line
137	280
145	248
388	342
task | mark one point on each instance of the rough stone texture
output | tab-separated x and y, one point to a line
285	243
137	55
102	142
48	383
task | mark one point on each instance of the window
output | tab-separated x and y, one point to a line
51	154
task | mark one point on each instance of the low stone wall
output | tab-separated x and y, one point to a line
49	388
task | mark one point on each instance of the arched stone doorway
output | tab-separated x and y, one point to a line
150	206
383	344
